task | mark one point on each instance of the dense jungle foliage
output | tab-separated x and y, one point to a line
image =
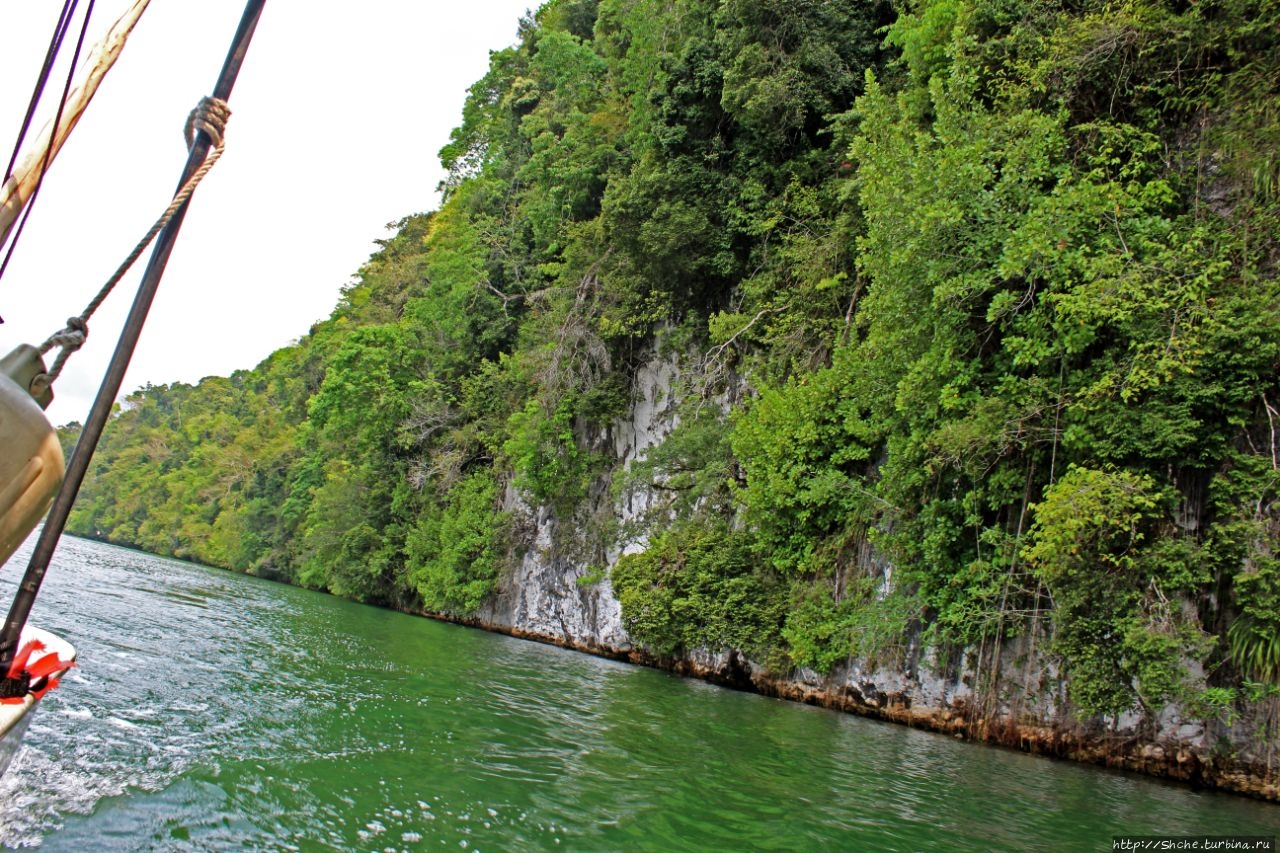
991	285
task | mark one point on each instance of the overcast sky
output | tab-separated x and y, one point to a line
339	112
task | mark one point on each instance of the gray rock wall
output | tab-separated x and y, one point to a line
1011	695
558	596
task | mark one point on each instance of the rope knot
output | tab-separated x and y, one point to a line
69	339
210	116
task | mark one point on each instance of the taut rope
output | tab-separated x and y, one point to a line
210	117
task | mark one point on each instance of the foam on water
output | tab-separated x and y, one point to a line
132	716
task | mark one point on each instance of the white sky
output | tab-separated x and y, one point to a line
338	118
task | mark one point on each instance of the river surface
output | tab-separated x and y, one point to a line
214	711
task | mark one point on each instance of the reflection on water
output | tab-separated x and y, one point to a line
213	711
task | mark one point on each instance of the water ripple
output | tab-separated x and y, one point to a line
213	711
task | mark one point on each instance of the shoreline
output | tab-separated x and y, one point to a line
1163	759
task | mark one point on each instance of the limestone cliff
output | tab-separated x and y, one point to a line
1012	694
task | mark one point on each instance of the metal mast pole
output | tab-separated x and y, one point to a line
114	377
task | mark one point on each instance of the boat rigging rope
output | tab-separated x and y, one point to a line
209	117
55	45
42	80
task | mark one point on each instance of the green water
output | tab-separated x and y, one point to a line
218	712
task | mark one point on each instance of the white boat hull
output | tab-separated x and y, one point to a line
16	716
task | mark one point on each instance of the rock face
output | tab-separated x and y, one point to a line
549	597
554	595
1011	695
